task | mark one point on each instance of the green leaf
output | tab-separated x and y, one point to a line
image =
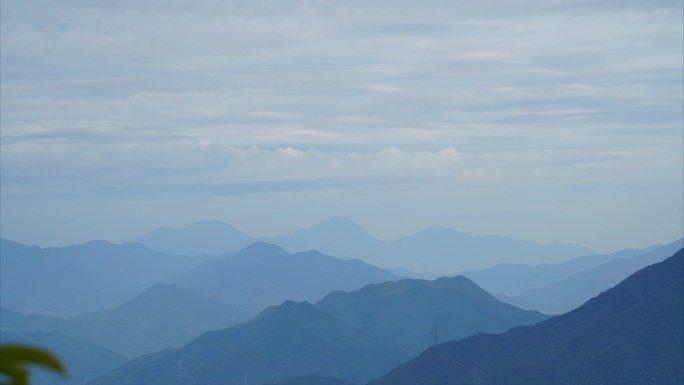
14	360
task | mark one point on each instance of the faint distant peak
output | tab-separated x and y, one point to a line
161	290
201	227
260	250
340	224
98	243
8	242
439	231
10	246
210	225
158	286
205	237
340	221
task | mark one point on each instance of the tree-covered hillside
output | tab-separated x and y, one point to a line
630	334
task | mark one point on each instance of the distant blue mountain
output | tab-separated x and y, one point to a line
76	279
282	342
15	322
571	292
126	264
512	279
352	336
207	237
33	282
437	250
264	274
412	313
631	334
447	251
338	236
163	316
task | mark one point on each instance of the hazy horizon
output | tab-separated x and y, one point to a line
269	237
547	121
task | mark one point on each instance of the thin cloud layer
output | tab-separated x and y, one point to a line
238	97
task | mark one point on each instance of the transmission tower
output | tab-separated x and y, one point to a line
180	376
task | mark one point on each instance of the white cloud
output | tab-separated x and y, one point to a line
191	96
189	162
384	87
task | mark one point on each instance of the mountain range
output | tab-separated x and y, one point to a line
363	321
128	265
263	274
436	249
514	278
215	294
285	341
206	237
413	314
352	336
161	317
72	280
568	285
630	334
18	323
33	282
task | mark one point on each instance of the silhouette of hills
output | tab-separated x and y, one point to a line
15	322
512	279
337	236
349	336
33	282
447	251
126	264
161	317
436	249
630	334
206	237
571	292
263	274
77	279
282	342
412	314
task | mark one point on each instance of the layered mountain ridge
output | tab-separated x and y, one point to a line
630	334
435	249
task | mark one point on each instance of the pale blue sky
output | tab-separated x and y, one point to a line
547	120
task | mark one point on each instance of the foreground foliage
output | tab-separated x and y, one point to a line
15	361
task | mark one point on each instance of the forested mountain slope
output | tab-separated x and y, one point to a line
630	334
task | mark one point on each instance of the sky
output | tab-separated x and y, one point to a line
543	120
